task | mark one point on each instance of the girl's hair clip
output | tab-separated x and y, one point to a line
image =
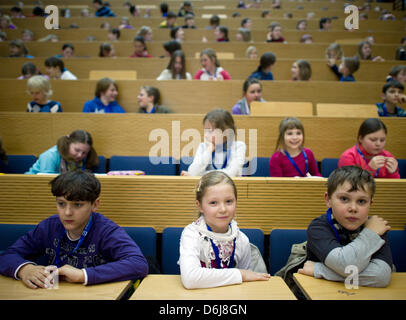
199	185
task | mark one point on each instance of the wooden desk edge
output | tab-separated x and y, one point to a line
300	286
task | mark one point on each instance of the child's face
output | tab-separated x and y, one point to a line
111	36
293	139
74	215
218	206
171	21
253	54
177	64
67	53
15	51
139	47
38	96
218	34
295	71
212	134
143	99
180	34
366	50
254	93
332	54
78	151
374	142
52	71
206	62
343	69
110	94
392	96
277	33
401	77
148	36
350	209
190	22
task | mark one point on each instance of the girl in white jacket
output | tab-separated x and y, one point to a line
213	251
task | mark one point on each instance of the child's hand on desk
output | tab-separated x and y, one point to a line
248	275
377	224
308	268
35	276
71	274
184	173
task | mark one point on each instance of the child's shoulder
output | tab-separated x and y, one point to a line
319	222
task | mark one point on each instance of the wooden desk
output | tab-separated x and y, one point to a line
169	287
320	289
11	289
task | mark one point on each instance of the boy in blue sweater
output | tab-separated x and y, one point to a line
85	246
392	95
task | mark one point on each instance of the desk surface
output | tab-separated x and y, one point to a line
169	287
320	289
11	289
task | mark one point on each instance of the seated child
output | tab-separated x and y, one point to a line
220	149
275	33
149	101
40	90
392	94
106	98
397	73
55	68
369	153
252	91
348	66
82	245
291	158
345	235
71	152
263	71
213	251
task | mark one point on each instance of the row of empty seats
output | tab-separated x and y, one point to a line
168	165
275	250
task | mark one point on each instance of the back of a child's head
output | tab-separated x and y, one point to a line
215	20
213	178
392	84
76	185
352	63
164	7
358	179
287	124
172	45
371	125
220	119
54	62
267	59
102	86
39	83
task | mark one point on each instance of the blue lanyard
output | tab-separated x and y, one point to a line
295	165
330	222
225	161
82	238
216	252
152	110
214	75
363	157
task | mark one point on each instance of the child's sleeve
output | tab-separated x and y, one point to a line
200	162
193	275
126	261
234	167
334	68
313	169
24	251
275	165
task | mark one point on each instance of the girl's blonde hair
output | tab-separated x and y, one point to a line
287	124
336	48
249	50
39	83
210	179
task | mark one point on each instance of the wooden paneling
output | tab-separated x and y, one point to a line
160	202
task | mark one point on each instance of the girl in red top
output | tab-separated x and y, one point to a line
291	158
369	153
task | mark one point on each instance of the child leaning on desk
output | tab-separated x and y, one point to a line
346	236
213	251
85	246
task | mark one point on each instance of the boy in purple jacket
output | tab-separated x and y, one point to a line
85	246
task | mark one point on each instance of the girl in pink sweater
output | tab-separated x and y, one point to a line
369	153
291	159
